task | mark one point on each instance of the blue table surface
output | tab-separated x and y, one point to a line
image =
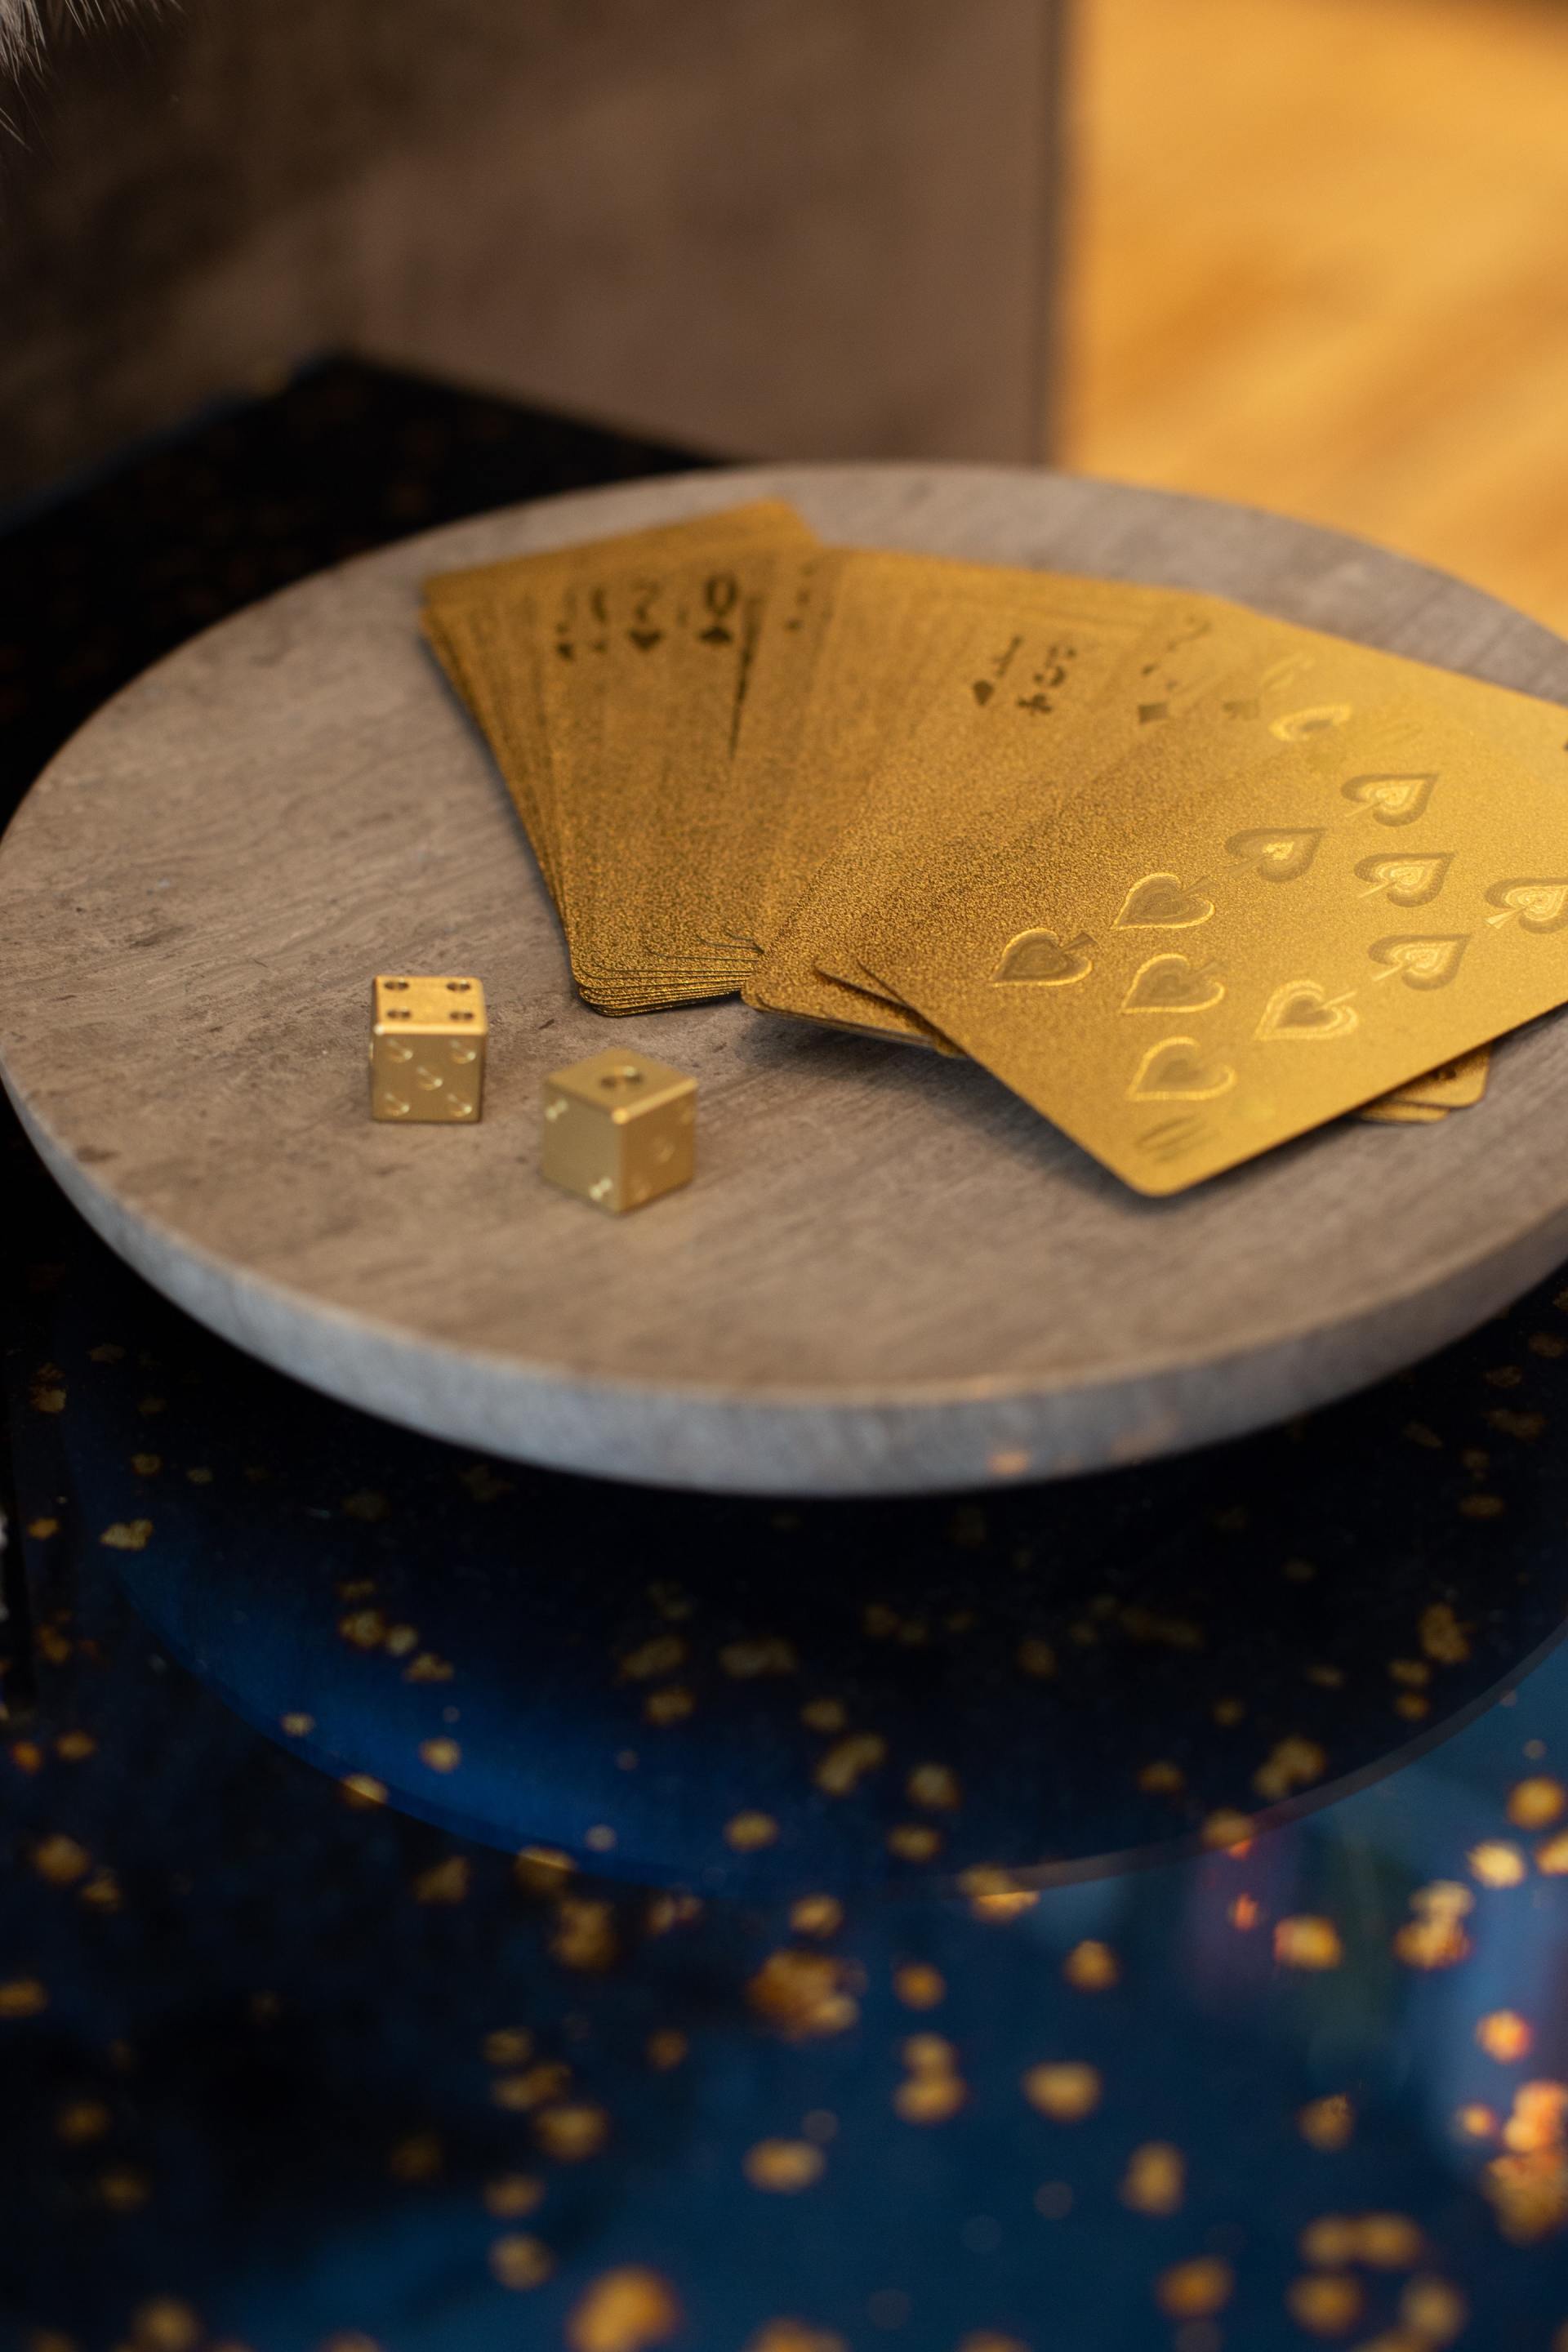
444	1904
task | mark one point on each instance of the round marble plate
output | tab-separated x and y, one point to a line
889	1274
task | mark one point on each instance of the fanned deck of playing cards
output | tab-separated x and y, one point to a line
1190	880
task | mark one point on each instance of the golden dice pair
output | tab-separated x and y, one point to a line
620	1130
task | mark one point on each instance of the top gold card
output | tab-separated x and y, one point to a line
1213	952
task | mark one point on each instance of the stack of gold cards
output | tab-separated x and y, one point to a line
1190	880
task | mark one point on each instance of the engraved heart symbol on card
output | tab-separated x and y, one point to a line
1392	800
1428	963
1043	957
1171	984
1176	1071
1160	903
1277	857
1408	881
1540	906
1303	1009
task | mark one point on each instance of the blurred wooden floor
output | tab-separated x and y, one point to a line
1319	263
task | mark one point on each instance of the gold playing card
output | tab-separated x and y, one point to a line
1393	1111
882	634
1210	954
1054	679
880	640
1454	1086
649	803
1038	651
564	657
476	620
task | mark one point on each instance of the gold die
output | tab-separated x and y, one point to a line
620	1130
427	1049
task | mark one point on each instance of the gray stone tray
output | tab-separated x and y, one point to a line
890	1275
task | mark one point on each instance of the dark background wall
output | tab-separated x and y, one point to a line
787	226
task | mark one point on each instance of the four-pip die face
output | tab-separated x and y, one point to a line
427	1049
